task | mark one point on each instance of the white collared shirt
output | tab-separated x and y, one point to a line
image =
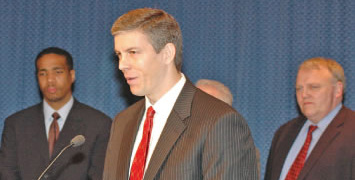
301	138
63	112
162	109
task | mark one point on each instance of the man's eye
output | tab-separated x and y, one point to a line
41	74
298	88
132	52
59	72
315	87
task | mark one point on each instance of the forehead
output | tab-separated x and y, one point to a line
51	60
309	75
128	39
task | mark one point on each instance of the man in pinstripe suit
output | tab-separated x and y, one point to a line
193	135
222	92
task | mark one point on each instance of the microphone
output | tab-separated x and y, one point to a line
75	142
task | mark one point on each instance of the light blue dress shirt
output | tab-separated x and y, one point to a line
301	138
63	112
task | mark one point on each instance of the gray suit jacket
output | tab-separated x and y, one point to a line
332	158
24	151
203	138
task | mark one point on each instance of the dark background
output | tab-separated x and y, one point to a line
254	47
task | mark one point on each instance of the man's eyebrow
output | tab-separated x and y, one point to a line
131	48
58	68
55	68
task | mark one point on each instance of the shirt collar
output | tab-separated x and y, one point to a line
63	111
167	101
323	124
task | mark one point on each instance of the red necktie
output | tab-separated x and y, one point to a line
138	164
301	157
53	133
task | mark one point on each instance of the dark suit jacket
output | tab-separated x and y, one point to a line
24	151
332	158
203	138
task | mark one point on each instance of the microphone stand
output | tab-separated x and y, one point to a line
66	147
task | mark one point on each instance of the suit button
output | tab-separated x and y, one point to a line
46	176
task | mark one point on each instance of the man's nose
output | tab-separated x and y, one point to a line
123	62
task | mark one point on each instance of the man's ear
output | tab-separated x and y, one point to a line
339	89
72	74
169	51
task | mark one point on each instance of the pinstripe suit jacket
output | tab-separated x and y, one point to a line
24	151
203	138
332	158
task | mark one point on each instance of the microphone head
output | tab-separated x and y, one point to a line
77	141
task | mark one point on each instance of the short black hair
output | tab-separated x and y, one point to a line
59	51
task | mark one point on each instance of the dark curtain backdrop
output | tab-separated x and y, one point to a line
254	47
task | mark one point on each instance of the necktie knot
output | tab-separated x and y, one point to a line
55	116
312	128
150	112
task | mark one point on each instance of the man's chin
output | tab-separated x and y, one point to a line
136	92
308	114
53	99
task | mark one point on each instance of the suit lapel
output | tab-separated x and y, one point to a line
285	144
328	136
39	131
73	126
130	132
173	129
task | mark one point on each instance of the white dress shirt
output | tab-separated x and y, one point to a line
162	109
63	112
301	138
